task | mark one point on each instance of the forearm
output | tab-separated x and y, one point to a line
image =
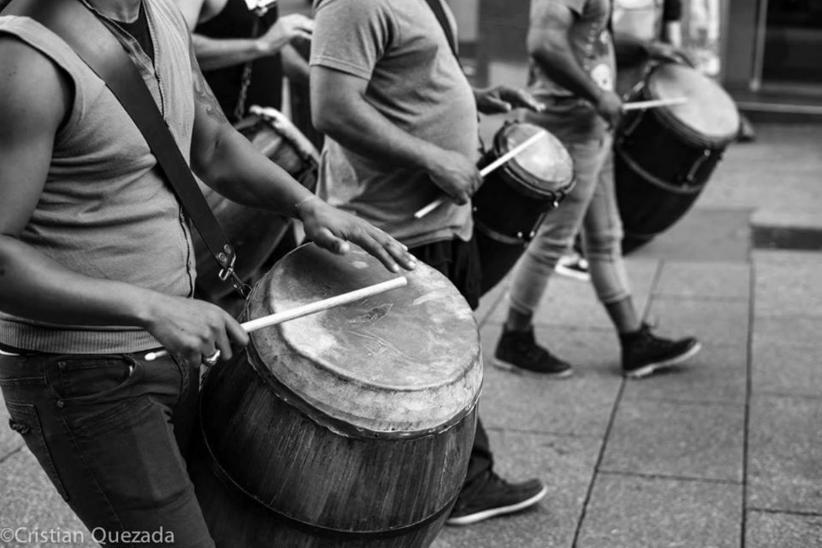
556	59
295	66
213	53
35	287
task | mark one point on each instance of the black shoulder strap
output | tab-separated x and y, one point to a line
439	13
92	41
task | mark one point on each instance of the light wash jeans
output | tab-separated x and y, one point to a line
591	206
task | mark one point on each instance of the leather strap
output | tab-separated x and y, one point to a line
94	43
439	13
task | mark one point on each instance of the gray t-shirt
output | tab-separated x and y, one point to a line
415	82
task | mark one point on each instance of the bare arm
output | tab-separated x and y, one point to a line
228	162
295	66
341	110
36	98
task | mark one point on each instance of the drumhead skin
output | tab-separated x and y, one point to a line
403	362
709	111
545	166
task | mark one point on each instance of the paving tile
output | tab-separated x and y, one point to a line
787	369
573	303
788	331
708	280
718	374
579	405
564	463
10	440
28	500
785	454
632	512
769	529
721	323
703	234
688	440
787	283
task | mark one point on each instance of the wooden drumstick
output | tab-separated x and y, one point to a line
310	308
484	172
637	105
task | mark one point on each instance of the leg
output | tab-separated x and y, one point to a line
106	429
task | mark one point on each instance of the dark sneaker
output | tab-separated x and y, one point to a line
573	266
518	351
643	352
495	497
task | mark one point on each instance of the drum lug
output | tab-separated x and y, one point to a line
520	236
691	175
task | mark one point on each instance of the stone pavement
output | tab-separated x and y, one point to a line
726	451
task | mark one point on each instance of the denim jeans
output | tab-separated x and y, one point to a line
591	206
111	433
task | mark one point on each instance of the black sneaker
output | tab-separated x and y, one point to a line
495	497
518	351
643	352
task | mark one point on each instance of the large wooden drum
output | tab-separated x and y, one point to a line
350	427
665	156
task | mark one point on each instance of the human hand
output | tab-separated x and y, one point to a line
664	52
286	29
332	229
455	174
502	99
191	329
609	106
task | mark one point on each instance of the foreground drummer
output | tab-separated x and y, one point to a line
402	121
96	266
572	71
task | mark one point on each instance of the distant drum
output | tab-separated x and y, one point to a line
665	156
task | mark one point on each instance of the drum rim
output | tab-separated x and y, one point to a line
678	126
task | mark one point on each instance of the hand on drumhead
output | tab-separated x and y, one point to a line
191	329
609	106
455	174
662	51
332	229
503	99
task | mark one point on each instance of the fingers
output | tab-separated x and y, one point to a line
326	239
495	105
526	100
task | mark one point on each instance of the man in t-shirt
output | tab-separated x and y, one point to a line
572	71
96	264
401	121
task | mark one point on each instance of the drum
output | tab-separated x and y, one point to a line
350	427
665	156
255	233
514	199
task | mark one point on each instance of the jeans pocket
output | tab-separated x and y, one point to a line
25	420
89	377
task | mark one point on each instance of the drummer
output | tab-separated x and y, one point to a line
572	71
387	89
244	65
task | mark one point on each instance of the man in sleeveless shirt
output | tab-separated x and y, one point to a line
96	265
401	126
572	71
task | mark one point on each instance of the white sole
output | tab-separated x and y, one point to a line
653	367
507	366
501	511
573	274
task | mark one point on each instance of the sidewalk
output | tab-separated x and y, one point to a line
726	451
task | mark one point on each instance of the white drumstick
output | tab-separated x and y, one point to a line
637	105
484	172
311	308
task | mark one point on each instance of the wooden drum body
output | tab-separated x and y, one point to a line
514	199
350	427
255	233
665	156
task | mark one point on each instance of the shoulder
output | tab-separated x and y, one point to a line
354	9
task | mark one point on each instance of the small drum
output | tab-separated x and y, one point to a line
514	199
255	233
664	156
350	427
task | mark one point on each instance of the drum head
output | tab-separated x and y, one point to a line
405	361
709	112
545	166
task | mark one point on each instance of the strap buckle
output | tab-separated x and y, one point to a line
226	259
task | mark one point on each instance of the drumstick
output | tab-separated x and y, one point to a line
484	172
310	308
654	104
